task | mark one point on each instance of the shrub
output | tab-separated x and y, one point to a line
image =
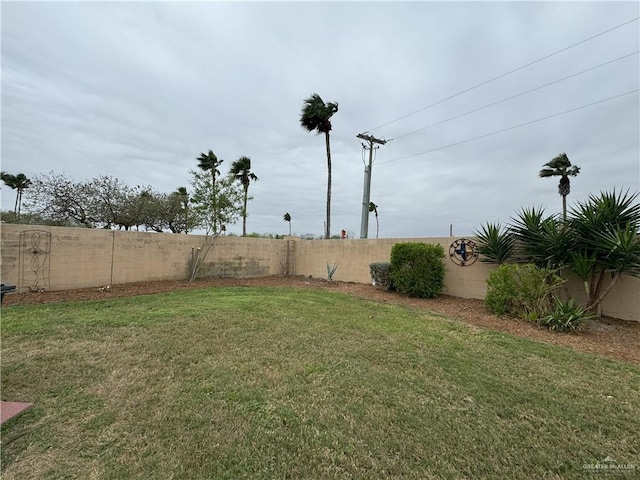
381	274
566	316
523	291
417	269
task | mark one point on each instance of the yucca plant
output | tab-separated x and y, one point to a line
494	243
331	269
543	241
599	242
606	244
566	316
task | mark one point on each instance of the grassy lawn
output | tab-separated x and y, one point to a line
271	383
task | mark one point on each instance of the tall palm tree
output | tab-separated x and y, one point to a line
287	218
183	195
241	171
18	182
374	208
561	167
209	162
316	116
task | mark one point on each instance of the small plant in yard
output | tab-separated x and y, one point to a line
417	269
381	274
566	316
331	269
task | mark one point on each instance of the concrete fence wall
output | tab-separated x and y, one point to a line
60	258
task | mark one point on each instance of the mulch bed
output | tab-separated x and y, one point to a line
604	336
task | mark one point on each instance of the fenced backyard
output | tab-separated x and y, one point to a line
56	258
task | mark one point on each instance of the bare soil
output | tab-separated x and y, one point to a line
604	336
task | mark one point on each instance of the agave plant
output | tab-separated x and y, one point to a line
544	241
494	243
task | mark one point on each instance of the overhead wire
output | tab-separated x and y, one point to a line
511	127
513	96
506	73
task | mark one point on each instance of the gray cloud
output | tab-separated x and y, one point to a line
139	90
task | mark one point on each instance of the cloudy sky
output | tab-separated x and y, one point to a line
139	90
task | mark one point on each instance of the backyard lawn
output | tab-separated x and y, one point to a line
270	383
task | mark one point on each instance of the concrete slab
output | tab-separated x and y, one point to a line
8	410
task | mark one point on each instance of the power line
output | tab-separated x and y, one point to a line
514	96
510	128
505	74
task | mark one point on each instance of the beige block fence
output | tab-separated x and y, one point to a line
61	258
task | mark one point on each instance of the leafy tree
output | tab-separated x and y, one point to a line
58	198
241	171
119	205
28	218
215	205
316	116
102	202
18	182
561	167
374	208
287	218
163	212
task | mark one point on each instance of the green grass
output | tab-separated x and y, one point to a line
288	383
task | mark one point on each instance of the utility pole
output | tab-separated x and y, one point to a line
366	194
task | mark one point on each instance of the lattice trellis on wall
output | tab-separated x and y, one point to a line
34	260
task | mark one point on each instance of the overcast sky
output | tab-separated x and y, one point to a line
139	90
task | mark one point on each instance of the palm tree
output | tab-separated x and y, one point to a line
316	116
561	167
209	162
374	208
18	182
183	195
287	218
241	171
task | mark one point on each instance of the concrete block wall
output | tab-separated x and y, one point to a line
82	258
354	257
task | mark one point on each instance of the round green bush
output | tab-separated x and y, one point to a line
417	269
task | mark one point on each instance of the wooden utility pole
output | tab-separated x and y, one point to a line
366	194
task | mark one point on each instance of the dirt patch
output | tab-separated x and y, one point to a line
605	336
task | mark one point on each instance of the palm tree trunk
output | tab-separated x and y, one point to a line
244	212
377	225
327	232
15	207
215	202
564	208
20	190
